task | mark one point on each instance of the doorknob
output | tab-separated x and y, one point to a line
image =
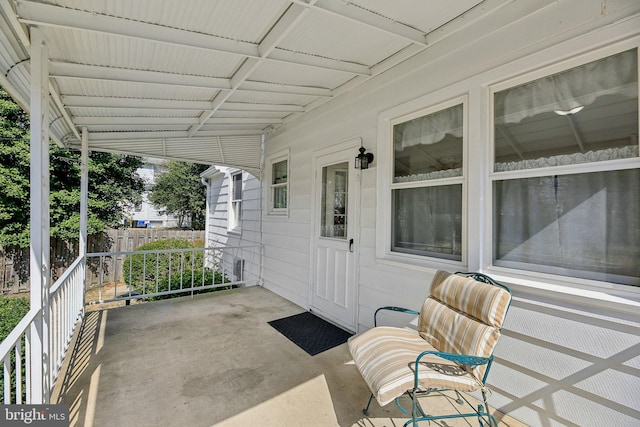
350	245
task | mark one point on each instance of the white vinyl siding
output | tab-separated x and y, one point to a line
589	327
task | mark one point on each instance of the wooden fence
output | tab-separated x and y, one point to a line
14	267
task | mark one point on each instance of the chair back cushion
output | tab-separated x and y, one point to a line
485	302
463	316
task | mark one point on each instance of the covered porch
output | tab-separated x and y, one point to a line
239	84
214	360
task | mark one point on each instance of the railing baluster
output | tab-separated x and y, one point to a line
18	367
144	271
181	268
170	259
101	275
7	379
193	266
27	351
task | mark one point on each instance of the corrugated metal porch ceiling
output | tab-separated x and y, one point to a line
202	80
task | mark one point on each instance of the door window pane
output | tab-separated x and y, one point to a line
335	197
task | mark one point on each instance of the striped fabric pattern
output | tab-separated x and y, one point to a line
451	331
386	358
485	302
461	316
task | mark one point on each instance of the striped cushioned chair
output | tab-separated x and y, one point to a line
458	328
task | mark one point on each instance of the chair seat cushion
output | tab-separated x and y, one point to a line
386	358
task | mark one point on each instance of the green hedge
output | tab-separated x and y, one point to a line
12	310
153	273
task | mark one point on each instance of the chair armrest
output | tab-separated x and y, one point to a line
391	308
462	359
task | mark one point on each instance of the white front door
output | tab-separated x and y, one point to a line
334	270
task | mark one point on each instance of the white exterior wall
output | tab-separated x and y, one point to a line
217	229
568	357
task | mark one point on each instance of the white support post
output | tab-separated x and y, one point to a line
84	208
39	209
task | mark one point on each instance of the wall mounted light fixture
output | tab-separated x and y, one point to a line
363	160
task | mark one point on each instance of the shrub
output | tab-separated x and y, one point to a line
161	272
12	310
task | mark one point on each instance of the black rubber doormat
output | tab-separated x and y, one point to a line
311	333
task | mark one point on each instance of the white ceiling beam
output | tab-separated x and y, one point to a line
249	65
67	70
67	118
169	121
134	121
122	137
19	30
79	101
359	15
288	89
42	14
283	26
82	71
245	106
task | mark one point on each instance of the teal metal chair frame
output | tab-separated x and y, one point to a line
417	413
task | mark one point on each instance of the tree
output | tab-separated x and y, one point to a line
113	184
180	192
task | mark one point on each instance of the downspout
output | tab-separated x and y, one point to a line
262	190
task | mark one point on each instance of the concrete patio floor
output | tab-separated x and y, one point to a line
213	360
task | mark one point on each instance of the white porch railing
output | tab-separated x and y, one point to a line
17	372
65	310
118	276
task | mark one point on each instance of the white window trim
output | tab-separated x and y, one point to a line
268	196
408	111
619	297
230	212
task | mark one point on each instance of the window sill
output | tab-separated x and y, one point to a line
278	214
419	263
607	296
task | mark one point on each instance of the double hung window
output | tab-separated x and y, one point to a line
427	181
566	173
279	185
235	194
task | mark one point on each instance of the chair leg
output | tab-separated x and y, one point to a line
366	410
492	421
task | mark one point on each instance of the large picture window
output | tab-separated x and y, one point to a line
426	191
566	182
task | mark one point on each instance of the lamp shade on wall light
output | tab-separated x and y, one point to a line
363	160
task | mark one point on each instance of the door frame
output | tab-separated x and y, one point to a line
349	148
